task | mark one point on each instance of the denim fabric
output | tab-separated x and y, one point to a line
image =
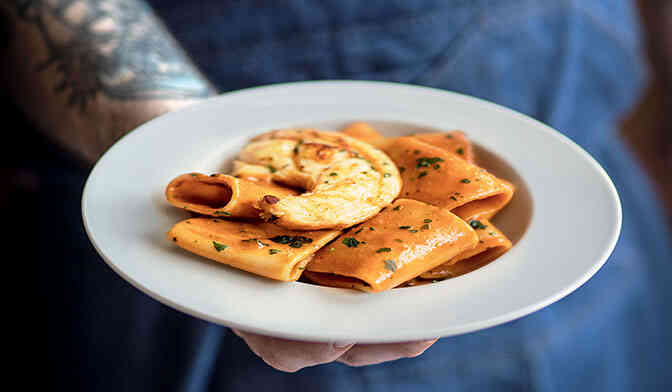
573	64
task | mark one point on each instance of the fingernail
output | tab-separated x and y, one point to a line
340	345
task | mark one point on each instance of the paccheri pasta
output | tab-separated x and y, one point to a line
348	209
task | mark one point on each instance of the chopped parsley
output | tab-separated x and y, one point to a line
422	174
397	208
371	228
391	265
402	169
404	227
492	233
272	168
413	231
427	162
453	198
222	213
350	242
460	151
296	148
465	181
398	240
477	225
360	230
424	227
294	242
274	251
427	220
381	250
333	174
449	136
387	175
219	247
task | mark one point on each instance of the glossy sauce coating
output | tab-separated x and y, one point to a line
403	241
454	142
437	177
261	248
492	243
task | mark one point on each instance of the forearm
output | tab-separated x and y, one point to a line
88	71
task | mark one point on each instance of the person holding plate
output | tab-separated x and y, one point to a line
86	72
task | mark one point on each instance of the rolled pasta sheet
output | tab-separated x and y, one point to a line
221	195
437	177
492	243
364	132
264	249
403	241
455	142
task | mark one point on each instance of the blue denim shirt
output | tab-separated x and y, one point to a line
573	64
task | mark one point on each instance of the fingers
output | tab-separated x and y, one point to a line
289	355
370	354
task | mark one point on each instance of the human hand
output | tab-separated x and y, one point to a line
291	356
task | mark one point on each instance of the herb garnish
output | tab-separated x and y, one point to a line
219	247
294	242
427	162
413	231
460	151
422	174
387	175
350	242
465	181
274	251
477	225
296	148
453	198
397	208
391	265
427	220
360	230
381	250
258	241
404	227
402	169
424	227
333	174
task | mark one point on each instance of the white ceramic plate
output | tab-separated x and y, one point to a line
560	188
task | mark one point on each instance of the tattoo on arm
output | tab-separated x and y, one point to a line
115	48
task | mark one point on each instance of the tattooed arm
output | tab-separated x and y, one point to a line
88	71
